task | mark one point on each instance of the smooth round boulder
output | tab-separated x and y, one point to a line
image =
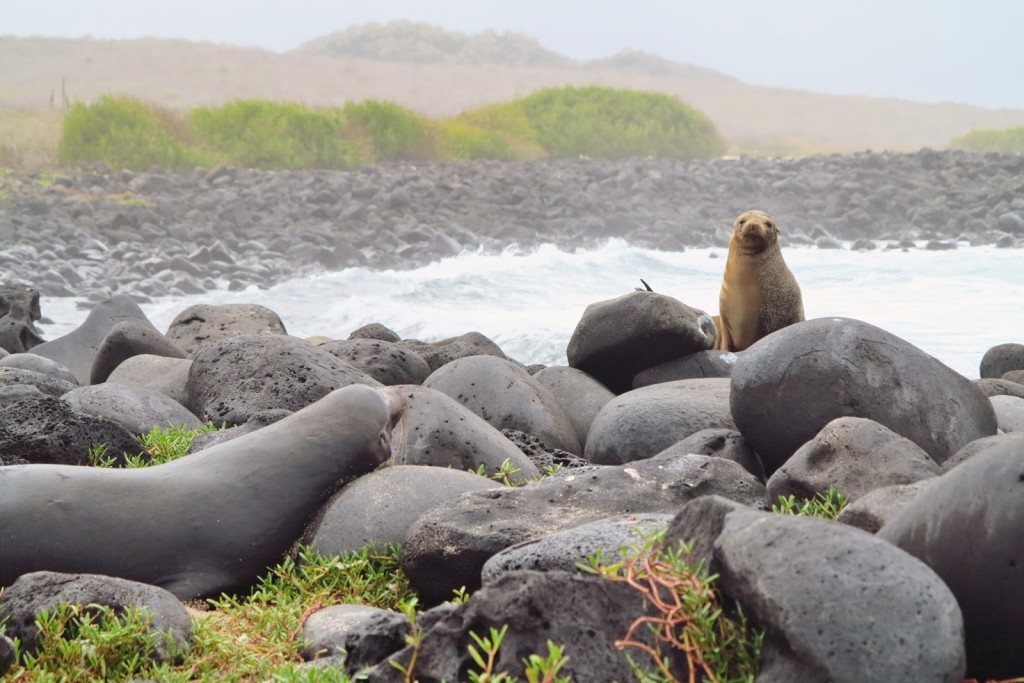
1014	376
137	410
580	395
444	351
77	349
235	377
375	331
871	511
1009	413
999	387
39	428
644	422
566	550
46	383
507	397
34	363
975	447
618	338
710	363
967	526
127	339
360	634
1001	359
378	508
853	455
720	443
32	594
437	430
169	376
203	323
790	384
386	362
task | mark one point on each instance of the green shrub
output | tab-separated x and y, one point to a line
264	134
608	123
496	132
1006	141
123	132
394	133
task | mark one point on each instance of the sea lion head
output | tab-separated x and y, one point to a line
754	231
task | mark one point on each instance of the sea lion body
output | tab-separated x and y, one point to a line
759	293
203	524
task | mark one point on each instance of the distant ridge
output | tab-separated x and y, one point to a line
441	72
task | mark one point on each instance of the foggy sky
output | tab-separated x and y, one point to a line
926	50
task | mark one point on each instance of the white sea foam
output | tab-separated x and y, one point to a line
952	304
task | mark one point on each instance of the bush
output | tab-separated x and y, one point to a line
607	123
394	133
123	132
499	131
265	134
1006	141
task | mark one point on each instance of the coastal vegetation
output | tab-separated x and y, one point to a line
596	122
1003	141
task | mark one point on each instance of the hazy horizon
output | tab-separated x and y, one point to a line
940	51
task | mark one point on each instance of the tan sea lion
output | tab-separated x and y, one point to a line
759	293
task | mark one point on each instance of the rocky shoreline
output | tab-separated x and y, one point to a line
95	232
918	578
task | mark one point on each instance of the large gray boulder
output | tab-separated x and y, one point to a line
444	351
566	550
855	456
872	511
34	363
618	338
584	613
138	410
721	443
169	376
579	394
46	383
644	422
436	430
999	387
977	446
507	397
233	378
1001	359
32	594
696	365
385	361
204	323
888	617
39	428
77	349
127	339
792	383
967	526
378	508
448	546
1009	413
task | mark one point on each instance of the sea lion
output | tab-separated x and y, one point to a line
207	523
759	293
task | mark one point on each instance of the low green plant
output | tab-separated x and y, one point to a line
393	132
251	637
685	615
484	653
266	134
123	132
1004	141
826	505
159	445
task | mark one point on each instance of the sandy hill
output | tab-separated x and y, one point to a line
441	72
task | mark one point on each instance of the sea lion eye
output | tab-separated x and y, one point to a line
741	222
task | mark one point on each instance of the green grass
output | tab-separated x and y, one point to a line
826	505
1005	141
688	610
250	638
123	132
159	445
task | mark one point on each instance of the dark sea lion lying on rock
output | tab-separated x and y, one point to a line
201	525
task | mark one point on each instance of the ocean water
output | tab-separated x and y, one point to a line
953	304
